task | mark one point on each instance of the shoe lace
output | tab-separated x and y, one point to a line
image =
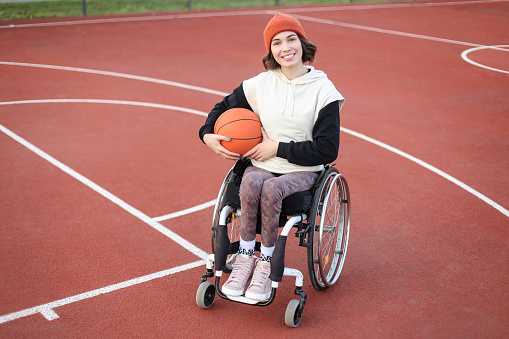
241	271
260	276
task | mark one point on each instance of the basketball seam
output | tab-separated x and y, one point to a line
245	138
246	119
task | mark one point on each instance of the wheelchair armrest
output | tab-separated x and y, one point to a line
240	167
231	195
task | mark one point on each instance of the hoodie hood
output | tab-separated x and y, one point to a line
291	87
310	76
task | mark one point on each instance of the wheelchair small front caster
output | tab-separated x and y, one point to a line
293	314
205	294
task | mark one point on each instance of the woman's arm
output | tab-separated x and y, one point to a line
325	145
206	133
236	99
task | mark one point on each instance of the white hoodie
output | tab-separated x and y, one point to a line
288	109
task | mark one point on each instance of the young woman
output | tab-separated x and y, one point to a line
299	110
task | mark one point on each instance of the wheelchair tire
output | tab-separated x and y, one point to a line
329	229
233	223
206	294
293	314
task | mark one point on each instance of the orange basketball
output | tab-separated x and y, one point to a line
242	126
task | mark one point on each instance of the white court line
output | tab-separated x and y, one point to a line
47	310
117	201
411	35
50	314
103	101
431	168
186	211
385	31
344	7
115	74
497	47
210	203
139	19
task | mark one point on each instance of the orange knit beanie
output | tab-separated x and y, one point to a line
281	23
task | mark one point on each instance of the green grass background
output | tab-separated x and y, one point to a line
65	8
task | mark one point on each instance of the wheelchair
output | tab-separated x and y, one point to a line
321	218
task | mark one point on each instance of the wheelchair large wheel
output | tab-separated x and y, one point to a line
329	227
233	221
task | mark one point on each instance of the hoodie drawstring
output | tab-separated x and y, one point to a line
289	97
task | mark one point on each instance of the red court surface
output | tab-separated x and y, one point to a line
106	189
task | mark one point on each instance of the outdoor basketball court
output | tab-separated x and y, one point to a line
107	192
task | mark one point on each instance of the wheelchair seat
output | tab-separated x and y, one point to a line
295	204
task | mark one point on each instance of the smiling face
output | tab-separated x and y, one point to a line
287	50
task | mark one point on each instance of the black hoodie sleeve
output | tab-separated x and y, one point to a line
236	99
324	147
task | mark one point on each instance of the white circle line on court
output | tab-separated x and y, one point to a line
345	130
464	56
431	168
104	101
115	74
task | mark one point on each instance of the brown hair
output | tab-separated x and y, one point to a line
308	55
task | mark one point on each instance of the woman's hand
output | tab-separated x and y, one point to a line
214	142
265	150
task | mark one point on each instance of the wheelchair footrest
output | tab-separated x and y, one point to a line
245	300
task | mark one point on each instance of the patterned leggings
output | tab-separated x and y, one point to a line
262	188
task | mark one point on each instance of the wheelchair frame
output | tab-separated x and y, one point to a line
322	219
